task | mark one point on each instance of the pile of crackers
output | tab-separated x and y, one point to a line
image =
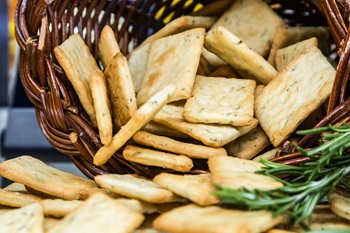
216	89
42	198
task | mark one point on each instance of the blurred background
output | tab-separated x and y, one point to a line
19	130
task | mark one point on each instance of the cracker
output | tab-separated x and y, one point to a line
209	134
107	45
286	35
214	219
59	207
99	213
339	202
177	147
121	90
134	186
42	177
287	54
215	8
156	158
249	145
219	100
75	58
235	52
155	128
215	61
137	64
196	188
181	24
176	54
237	174
141	117
28	219
294	94
256	28
17	198
98	87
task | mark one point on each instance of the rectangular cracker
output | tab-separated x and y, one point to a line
218	100
196	188
209	134
156	158
142	116
256	28
100	99
181	24
237	174
287	54
294	94
242	58
121	90
177	147
27	219
286	35
137	60
75	58
17	198
137	187
192	218
99	213
176	54
107	45
42	177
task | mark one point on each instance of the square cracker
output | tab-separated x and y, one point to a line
176	54
178	147
256	28
209	134
219	100
27	219
99	213
181	24
237	174
121	90
239	55
134	186
192	218
287	54
196	188
49	180
294	94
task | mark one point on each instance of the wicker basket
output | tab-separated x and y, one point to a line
59	112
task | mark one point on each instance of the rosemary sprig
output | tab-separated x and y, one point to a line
304	185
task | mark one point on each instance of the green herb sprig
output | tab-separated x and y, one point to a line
304	185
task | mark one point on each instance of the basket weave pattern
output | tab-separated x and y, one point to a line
43	24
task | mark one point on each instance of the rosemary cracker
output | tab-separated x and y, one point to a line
139	119
219	100
209	134
235	52
171	145
163	62
339	202
196	188
108	45
42	177
214	219
300	89
287	54
17	198
59	207
243	20
99	213
157	158
134	186
137	60
75	58
28	219
121	90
